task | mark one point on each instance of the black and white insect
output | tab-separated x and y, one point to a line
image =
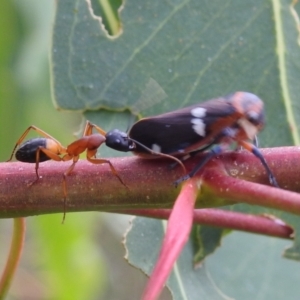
214	124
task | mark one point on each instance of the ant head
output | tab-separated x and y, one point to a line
119	141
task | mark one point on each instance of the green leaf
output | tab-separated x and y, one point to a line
185	282
194	50
249	266
293	249
287	22
206	240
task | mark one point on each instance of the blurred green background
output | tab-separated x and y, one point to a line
83	258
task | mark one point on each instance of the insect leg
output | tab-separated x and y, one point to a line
106	161
88	130
188	156
258	154
216	150
50	154
64	183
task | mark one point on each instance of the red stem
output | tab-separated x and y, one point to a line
93	187
226	219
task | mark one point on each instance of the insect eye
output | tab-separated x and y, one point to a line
255	118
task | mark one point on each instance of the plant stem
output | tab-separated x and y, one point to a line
14	256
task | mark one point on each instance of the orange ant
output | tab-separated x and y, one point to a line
41	149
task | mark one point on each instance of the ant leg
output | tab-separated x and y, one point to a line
105	161
50	154
67	173
89	128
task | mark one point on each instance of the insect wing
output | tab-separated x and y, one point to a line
191	128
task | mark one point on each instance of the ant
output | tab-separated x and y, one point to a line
38	150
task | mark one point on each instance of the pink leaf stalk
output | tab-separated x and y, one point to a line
177	234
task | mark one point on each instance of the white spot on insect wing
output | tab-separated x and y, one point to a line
156	148
198	124
198	112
